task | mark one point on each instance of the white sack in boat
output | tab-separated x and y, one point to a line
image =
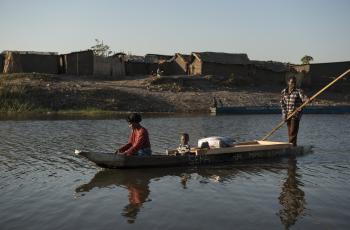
216	142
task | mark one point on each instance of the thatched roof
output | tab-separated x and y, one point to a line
222	58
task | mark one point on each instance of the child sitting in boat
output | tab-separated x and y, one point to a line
184	147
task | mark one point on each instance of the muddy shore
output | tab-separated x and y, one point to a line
176	94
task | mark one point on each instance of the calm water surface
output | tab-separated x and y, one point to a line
44	186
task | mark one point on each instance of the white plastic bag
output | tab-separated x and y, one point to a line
216	142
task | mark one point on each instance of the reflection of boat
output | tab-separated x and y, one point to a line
240	152
106	177
312	109
137	182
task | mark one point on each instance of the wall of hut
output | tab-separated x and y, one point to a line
210	68
318	75
62	64
12	63
323	73
136	68
152	68
29	62
180	65
263	76
171	68
110	66
40	63
102	66
118	67
79	63
196	67
166	68
1	63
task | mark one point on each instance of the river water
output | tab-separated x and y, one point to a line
43	185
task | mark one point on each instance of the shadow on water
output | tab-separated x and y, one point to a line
137	183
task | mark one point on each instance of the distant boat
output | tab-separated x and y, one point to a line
312	109
240	152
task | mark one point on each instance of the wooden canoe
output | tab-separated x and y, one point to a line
240	153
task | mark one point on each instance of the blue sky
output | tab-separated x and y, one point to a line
279	30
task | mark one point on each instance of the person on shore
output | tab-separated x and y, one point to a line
184	147
215	103
291	99
220	103
138	143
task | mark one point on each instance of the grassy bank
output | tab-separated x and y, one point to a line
20	93
43	93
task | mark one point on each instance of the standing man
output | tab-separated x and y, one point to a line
291	99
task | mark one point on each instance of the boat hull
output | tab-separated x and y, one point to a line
244	154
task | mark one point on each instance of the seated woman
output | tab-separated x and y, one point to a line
138	143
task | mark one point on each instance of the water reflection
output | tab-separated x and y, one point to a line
292	198
137	182
138	194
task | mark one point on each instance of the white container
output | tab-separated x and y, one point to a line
216	142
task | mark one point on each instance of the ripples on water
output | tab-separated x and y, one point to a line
44	186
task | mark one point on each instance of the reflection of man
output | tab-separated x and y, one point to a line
292	198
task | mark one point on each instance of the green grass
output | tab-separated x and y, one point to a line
16	95
13	98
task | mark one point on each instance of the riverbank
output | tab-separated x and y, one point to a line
43	93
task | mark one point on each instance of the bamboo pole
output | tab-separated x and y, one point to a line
304	104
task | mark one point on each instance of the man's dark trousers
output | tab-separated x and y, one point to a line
293	128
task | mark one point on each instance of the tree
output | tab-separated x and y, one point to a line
101	49
306	59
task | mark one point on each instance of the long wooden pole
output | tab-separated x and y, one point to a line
304	104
